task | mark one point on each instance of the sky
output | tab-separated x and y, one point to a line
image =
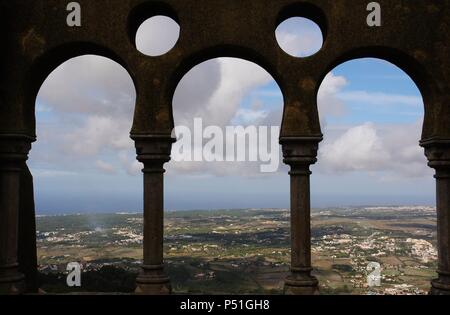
371	115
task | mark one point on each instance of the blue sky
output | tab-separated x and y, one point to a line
371	115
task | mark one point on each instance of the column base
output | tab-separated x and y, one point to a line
12	282
439	288
153	281
301	283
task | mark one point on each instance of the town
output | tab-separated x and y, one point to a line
246	251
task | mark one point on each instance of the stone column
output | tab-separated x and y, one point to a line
153	152
13	153
300	154
27	253
438	154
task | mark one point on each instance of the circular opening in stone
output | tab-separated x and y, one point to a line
299	37
157	35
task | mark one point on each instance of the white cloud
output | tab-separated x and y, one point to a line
105	167
91	85
387	151
360	148
128	160
249	116
299	37
377	98
157	35
97	134
52	173
328	103
214	90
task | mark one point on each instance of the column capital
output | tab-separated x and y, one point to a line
153	149
300	152
437	152
14	148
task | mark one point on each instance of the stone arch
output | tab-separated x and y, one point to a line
411	66
44	65
40	71
421	77
226	51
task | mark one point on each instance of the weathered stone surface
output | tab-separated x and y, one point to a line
414	36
